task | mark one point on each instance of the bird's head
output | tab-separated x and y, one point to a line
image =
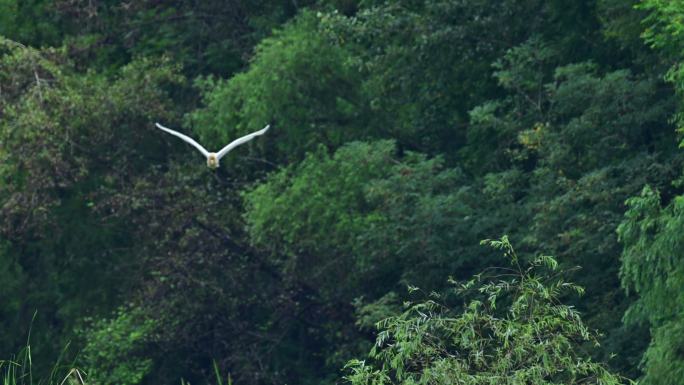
212	161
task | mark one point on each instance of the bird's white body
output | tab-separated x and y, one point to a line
213	158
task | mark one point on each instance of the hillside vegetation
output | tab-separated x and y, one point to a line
343	246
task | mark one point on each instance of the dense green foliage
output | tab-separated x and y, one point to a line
531	339
651	267
651	230
403	133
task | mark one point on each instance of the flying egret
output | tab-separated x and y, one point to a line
213	158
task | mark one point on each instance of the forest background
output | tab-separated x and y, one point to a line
404	132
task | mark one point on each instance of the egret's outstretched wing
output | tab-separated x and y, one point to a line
185	138
240	141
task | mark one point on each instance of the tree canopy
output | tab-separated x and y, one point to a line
403	133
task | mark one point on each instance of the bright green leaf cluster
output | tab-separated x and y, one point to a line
513	329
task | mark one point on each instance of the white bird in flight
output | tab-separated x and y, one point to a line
213	158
